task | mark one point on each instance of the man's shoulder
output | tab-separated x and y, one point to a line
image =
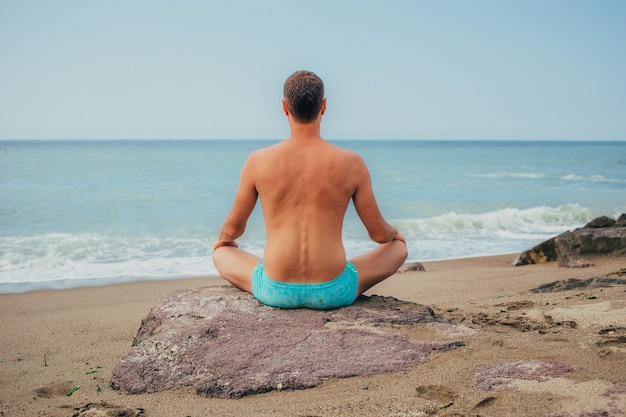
269	149
260	152
263	156
348	154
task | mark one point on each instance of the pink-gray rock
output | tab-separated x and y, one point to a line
503	375
226	344
601	236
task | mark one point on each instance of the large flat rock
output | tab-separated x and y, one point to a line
226	344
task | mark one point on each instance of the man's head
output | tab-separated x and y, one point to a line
304	95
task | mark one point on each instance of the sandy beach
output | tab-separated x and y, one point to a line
57	342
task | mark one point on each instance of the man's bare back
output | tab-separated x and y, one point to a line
305	185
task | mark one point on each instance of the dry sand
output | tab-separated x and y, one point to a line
52	341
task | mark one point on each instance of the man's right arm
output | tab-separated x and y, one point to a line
245	200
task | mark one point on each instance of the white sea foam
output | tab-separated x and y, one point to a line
523	175
456	235
589	178
508	221
50	258
62	260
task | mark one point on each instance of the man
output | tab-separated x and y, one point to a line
305	185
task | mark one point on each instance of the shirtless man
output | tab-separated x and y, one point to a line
305	185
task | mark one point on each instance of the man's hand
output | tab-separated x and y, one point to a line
399	237
219	244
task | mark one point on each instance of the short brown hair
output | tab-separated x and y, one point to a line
304	93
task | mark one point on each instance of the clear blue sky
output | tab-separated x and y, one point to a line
393	69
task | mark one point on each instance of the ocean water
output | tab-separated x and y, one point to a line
75	213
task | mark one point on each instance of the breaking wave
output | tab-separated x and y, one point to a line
62	260
459	235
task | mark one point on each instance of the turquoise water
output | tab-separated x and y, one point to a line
94	212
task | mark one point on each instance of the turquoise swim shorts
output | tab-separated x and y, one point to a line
338	292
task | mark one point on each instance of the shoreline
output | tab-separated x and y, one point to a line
65	284
60	285
55	339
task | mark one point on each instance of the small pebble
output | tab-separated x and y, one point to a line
365	387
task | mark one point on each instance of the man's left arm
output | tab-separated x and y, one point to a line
379	230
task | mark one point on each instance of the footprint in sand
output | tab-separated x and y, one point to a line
56	389
105	410
440	395
63	388
485	403
612	340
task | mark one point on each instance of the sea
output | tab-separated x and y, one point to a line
84	212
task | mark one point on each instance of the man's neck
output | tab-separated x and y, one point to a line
305	131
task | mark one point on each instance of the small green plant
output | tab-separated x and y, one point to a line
73	390
93	370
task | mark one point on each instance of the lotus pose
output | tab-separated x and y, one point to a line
305	185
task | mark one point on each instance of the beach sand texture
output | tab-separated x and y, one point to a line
525	353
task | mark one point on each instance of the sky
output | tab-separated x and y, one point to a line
403	69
